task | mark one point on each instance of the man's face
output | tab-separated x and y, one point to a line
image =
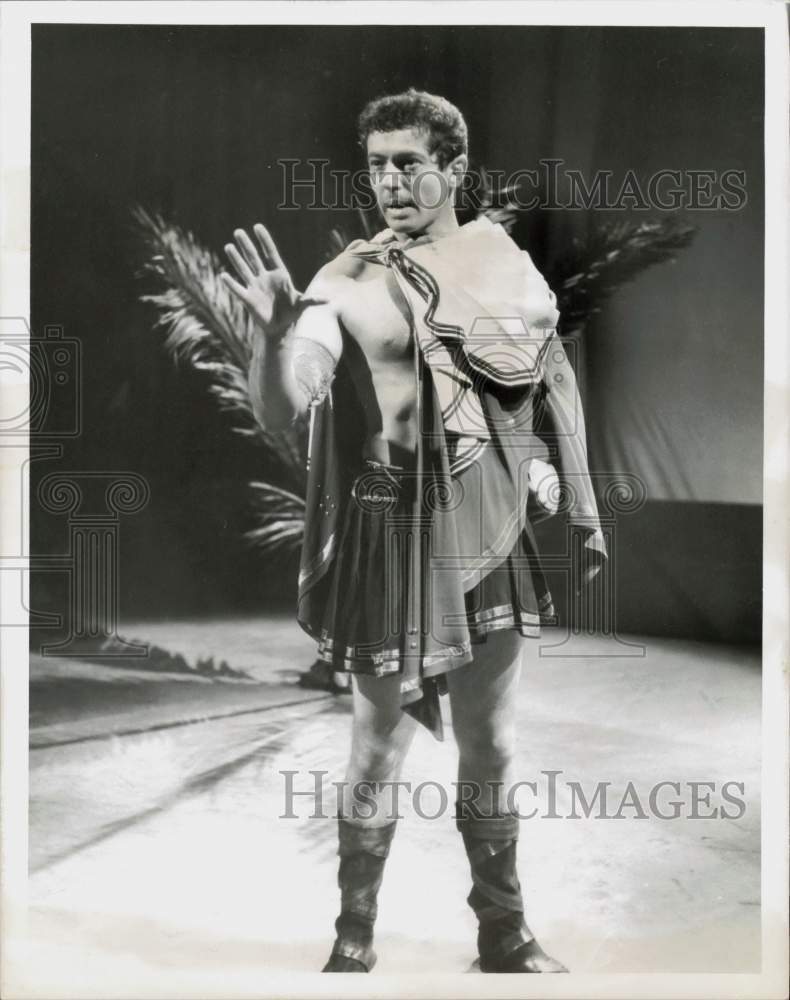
411	189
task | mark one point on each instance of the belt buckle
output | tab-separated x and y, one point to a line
392	478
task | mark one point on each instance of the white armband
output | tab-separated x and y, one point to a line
313	368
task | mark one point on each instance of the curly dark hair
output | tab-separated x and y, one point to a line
444	123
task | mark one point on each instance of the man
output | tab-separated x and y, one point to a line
428	361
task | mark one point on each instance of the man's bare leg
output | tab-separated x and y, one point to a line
381	736
483	698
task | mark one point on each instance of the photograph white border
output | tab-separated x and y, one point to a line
17	981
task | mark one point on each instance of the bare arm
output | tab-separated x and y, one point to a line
288	375
298	340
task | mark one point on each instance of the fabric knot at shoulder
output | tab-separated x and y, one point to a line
467	333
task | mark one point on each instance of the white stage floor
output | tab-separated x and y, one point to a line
160	866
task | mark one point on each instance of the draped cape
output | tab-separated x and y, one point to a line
495	390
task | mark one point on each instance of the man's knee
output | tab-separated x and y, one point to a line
376	756
487	741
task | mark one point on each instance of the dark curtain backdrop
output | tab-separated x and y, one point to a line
192	121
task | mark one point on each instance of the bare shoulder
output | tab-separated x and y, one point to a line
321	323
336	273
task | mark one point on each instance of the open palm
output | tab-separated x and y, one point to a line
264	286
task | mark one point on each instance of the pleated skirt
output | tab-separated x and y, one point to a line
370	620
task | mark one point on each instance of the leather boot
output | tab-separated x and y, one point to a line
504	941
363	851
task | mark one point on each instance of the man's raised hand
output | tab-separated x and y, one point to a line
545	484
265	286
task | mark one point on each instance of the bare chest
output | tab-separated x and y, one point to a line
374	312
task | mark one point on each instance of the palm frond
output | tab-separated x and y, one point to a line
280	515
497	204
612	255
339	236
594	268
208	328
337	243
195	303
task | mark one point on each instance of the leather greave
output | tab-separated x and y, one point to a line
496	892
363	851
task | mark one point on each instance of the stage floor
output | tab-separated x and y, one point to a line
160	864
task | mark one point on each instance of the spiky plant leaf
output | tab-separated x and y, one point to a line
497	204
280	516
612	255
208	328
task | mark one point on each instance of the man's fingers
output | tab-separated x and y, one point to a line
310	300
240	264
238	290
271	255
547	495
544	483
248	250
